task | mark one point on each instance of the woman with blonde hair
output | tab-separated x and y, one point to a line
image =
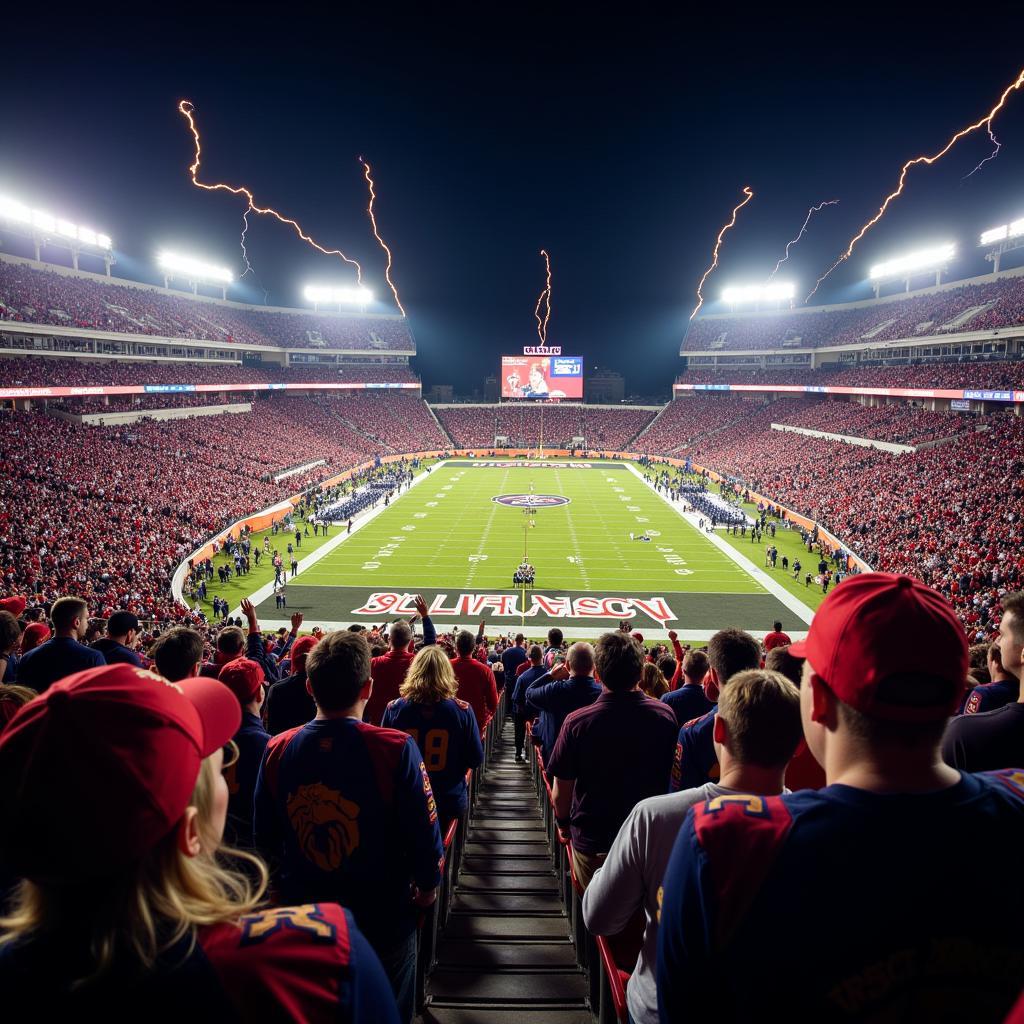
128	906
444	728
652	681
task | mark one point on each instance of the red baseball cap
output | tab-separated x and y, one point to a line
14	605
36	633
300	651
877	625
243	677
100	768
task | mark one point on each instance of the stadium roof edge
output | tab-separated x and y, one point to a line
178	293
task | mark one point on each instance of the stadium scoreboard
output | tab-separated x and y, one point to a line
542	372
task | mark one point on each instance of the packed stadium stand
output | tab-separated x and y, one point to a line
988	306
87	301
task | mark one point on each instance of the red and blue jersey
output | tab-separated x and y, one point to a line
695	760
345	813
307	963
448	738
844	904
990	696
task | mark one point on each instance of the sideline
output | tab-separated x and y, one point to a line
776	589
360	520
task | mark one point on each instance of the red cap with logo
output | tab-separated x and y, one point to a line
243	677
878	625
100	768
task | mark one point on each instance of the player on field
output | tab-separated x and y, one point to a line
344	811
444	728
126	911
836	904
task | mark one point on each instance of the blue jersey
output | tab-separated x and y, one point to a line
688	702
306	963
696	761
448	737
251	740
345	813
990	696
843	904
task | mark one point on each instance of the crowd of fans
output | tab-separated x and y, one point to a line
999	304
902	424
31	295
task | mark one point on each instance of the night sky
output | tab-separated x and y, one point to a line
619	143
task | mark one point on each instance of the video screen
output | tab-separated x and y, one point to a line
541	377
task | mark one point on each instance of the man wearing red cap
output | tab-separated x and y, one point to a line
106	850
836	903
244	678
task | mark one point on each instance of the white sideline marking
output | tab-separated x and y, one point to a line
791	601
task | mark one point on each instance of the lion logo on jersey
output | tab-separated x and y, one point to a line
326	825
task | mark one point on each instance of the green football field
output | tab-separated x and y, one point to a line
450	540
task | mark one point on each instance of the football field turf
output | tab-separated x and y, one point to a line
450	540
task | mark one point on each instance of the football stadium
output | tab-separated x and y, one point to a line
366	657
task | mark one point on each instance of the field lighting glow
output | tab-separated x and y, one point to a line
923	259
189	267
46	223
737	294
323	295
1012	230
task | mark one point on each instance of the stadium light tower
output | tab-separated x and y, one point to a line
1002	240
903	268
329	296
759	295
46	229
195	272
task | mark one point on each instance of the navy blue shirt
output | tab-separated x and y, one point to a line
695	760
117	654
555	700
346	813
512	659
843	904
990	696
448	737
526	678
60	656
688	703
251	740
289	704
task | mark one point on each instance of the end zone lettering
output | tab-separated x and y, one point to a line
507	606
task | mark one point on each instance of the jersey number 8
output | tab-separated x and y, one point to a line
434	748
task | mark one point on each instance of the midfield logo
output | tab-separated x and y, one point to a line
531	500
506	606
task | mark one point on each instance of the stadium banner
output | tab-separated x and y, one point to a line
160	389
542	377
980	396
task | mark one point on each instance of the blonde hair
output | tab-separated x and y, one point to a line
652	681
430	679
761	709
140	914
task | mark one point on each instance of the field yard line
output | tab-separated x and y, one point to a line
791	601
358	522
486	532
572	535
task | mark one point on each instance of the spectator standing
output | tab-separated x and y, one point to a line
477	685
10	641
389	669
988	740
117	646
444	728
610	755
63	654
757	728
689	701
345	811
288	702
1005	685
514	656
749	878
520	713
776	638
559	692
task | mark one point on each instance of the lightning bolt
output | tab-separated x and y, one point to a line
718	244
810	213
985	122
995	152
542	326
186	108
383	244
245	255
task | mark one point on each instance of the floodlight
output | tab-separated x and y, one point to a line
737	294
1016	228
330	296
44	221
67	229
189	267
923	259
11	209
88	237
104	242
994	235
